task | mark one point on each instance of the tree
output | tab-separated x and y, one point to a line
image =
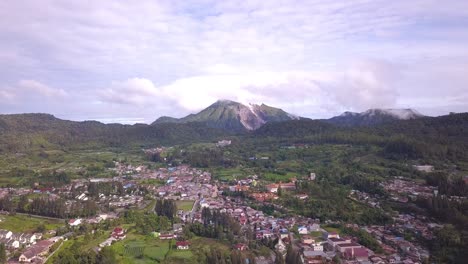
3	257
107	256
279	258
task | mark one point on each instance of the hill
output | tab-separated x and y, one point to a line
20	132
233	116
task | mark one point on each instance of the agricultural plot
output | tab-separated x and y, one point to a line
24	223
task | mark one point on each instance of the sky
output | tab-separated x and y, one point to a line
134	61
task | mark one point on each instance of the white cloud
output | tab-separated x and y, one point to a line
135	91
40	88
292	54
367	84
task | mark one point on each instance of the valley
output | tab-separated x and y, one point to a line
295	190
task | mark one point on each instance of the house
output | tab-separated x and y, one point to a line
75	222
118	233
314	227
273	188
182	245
313	257
166	236
317	247
240	247
5	234
41	248
177	228
359	254
333	242
11	243
107	242
302	230
312	176
306	239
345	246
424	168
328	235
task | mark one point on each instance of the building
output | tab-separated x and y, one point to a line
312	176
40	249
74	222
183	245
424	168
302	230
166	236
240	247
359	254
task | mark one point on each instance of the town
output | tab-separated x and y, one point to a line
135	187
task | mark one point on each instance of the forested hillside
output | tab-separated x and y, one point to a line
25	132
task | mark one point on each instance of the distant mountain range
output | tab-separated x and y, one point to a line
233	116
374	117
225	119
237	117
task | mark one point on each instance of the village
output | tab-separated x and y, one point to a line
315	242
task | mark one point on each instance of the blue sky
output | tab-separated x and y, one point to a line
127	62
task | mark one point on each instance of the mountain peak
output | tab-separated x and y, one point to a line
375	116
234	116
399	113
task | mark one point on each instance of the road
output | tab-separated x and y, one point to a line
51	254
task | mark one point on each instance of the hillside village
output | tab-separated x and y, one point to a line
312	238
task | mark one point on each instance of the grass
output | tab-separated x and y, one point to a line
276	177
24	223
229	174
331	229
158	251
185	205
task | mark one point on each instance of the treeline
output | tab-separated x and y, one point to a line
147	222
74	255
167	208
48	207
216	225
214	256
331	202
451	242
106	188
451	186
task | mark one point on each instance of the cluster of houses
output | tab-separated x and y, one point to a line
35	249
16	240
400	189
363	197
223	143
37	252
395	246
183	183
117	234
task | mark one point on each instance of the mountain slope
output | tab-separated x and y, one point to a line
233	116
22	132
373	117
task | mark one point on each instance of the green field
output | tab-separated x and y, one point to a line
185	205
153	250
229	174
276	177
24	223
